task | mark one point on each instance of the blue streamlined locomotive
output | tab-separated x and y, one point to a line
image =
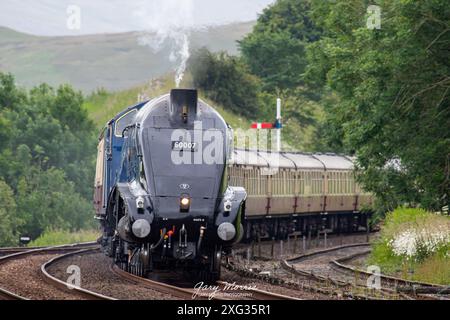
161	187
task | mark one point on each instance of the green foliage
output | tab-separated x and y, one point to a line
427	237
47	154
8	220
300	118
224	79
392	95
59	237
275	50
47	199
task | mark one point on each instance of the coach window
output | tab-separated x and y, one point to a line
123	122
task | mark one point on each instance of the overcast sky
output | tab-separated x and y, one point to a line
50	17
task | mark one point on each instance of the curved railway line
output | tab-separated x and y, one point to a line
58	283
222	290
28	280
180	292
318	264
75	246
328	266
326	272
256	294
398	284
36	279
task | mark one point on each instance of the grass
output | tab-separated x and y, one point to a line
429	263
102	105
58	237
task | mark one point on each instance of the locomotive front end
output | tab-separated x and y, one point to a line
178	205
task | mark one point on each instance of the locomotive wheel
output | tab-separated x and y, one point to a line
136	265
210	272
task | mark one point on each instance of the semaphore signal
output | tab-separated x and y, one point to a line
276	125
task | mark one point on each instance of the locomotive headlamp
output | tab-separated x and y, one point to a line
185	202
141	228
226	231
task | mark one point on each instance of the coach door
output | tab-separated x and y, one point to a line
99	177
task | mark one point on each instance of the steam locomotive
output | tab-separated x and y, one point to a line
161	187
163	199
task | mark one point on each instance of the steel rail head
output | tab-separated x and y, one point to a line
66	286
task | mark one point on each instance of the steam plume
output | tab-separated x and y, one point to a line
167	23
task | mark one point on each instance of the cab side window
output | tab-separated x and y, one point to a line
124	121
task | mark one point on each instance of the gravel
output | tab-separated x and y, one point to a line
26	280
23	277
96	276
231	277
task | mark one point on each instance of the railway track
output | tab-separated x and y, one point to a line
324	271
313	272
24	276
328	266
222	290
253	292
76	246
421	289
182	293
319	266
88	294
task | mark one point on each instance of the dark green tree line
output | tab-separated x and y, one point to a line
392	94
47	150
384	92
275	49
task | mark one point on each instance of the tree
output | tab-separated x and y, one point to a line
47	150
393	94
275	49
47	200
7	215
225	80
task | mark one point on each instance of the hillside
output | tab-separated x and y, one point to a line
102	105
111	61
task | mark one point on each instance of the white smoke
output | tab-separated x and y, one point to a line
167	22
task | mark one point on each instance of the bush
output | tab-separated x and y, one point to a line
412	243
225	80
58	237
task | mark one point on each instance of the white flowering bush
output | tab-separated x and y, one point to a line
418	244
414	244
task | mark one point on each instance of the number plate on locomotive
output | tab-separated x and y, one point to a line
184	146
